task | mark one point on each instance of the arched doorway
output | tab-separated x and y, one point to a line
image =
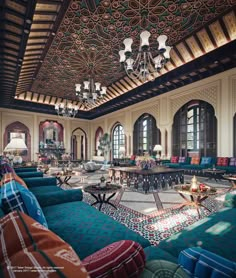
79	144
20	129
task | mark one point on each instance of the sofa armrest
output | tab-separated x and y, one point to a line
54	198
38	181
199	262
25	169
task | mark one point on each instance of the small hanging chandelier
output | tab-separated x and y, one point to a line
66	109
144	64
90	91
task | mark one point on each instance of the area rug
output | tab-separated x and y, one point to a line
160	224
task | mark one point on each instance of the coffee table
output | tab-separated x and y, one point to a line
100	193
232	179
196	198
64	177
214	174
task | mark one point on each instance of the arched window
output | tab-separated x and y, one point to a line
118	140
195	130
146	135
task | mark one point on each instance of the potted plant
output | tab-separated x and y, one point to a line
105	146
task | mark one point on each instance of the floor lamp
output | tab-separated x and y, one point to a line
17	145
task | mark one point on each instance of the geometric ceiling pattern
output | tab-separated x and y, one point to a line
69	40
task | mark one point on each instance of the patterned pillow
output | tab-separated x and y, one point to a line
174	159
181	159
232	161
205	160
195	160
123	258
30	246
222	161
5	168
202	263
13	177
15	197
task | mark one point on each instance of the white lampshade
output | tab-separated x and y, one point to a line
16	144
104	90
129	63
128	43
122	56
157	148
77	87
162	43
86	85
167	52
97	86
144	36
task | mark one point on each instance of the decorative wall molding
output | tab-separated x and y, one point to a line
153	109
207	93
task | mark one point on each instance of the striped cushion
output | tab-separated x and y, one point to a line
195	160
28	246
174	159
222	161
182	159
232	161
15	197
199	262
123	258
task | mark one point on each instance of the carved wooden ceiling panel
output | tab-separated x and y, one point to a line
70	39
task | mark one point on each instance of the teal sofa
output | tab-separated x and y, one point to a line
216	233
88	230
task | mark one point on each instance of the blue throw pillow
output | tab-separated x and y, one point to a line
198	262
15	197
205	160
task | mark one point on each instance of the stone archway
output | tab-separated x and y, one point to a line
79	144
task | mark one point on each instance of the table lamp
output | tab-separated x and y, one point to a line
17	145
158	149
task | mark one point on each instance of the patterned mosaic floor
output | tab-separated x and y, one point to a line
160	224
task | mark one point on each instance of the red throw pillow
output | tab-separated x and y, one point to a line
222	161
28	246
123	258
174	159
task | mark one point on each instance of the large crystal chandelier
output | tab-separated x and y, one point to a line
90	91
66	109
144	64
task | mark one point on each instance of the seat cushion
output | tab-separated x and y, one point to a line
215	233
16	197
87	229
201	263
30	247
124	258
37	190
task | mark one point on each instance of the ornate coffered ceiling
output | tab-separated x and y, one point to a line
49	46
